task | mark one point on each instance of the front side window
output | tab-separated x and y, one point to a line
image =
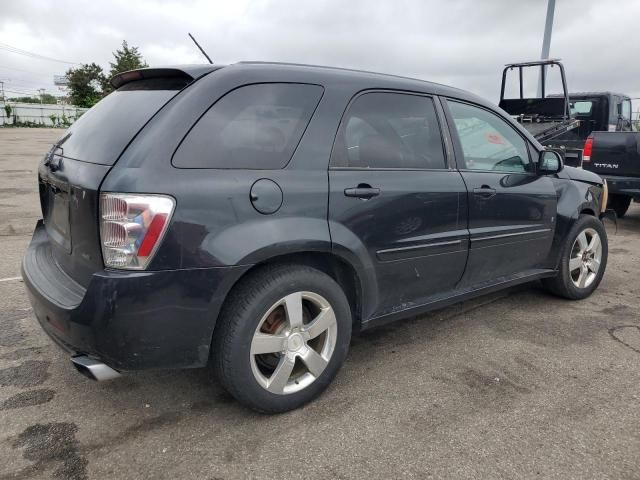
488	142
253	127
389	130
626	110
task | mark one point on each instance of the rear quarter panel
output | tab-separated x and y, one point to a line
214	223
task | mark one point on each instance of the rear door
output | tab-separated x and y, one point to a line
511	209
394	199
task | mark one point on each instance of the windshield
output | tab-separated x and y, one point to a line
581	107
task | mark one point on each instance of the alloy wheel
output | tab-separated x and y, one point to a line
585	259
293	342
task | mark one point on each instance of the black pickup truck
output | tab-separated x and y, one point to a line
596	112
560	121
615	156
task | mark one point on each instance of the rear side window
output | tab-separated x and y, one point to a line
102	133
253	127
389	130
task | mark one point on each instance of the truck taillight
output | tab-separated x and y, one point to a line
588	148
132	227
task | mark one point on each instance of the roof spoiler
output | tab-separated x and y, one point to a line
186	71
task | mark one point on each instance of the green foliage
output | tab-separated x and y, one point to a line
47	99
24	100
126	58
7	110
84	84
88	83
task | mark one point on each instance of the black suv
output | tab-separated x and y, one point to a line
252	217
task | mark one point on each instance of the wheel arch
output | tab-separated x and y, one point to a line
337	267
575	198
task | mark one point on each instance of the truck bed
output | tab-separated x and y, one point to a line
547	130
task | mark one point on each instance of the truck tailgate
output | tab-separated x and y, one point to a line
615	154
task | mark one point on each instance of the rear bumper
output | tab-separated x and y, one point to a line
623	185
129	320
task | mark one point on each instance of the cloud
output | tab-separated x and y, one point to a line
463	43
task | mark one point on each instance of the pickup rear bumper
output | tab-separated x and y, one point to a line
128	320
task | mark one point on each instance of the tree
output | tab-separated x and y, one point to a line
127	58
45	98
85	85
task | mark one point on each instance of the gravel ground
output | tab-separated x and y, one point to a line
514	385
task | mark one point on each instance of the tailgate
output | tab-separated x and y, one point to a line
71	174
615	153
69	200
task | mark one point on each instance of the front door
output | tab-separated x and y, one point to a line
511	208
395	202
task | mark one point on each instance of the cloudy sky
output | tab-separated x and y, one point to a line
463	43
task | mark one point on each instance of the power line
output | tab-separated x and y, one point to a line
19	51
6	67
22	94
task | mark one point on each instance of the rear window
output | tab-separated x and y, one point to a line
101	134
580	107
253	127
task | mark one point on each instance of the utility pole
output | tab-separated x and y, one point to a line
546	40
2	90
41	92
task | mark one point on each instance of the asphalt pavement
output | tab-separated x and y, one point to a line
515	385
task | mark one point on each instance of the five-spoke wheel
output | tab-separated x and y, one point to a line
583	259
586	256
282	336
293	342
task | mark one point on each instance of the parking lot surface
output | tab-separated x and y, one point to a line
515	385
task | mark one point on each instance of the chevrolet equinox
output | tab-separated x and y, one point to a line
252	217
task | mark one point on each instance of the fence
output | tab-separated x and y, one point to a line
34	114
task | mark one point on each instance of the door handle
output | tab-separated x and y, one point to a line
363	191
484	191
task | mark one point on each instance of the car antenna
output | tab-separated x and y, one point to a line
200	48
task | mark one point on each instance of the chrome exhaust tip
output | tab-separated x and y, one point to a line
93	369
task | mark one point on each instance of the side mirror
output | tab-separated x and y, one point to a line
550	162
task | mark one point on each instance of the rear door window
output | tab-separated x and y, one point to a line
390	131
253	127
102	133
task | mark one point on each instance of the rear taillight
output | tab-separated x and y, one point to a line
132	227
588	148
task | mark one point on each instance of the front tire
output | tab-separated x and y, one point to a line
583	260
282	336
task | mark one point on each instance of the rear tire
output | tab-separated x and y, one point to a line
281	338
620	204
583	260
